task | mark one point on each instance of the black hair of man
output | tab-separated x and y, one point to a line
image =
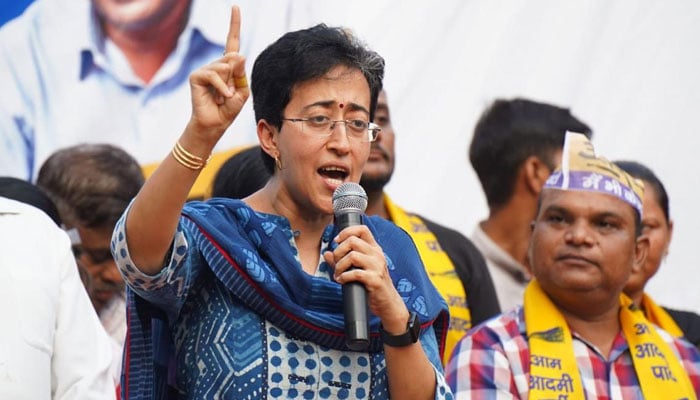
91	184
304	55
510	131
241	175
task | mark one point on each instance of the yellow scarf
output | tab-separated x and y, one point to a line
553	369
440	270
657	315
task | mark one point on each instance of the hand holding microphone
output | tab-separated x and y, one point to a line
361	267
349	203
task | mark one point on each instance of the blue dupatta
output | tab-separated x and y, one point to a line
249	253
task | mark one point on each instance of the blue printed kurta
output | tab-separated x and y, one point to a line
245	322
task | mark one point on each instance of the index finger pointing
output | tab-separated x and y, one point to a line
234	31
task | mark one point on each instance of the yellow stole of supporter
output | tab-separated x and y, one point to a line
659	370
553	369
657	315
440	270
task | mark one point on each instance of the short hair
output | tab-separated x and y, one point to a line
510	131
641	171
91	184
304	55
241	175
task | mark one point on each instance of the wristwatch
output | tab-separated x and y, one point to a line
405	339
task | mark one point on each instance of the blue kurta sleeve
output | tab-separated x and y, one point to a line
168	288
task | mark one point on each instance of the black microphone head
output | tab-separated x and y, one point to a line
349	196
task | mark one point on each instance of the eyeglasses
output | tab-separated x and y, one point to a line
323	126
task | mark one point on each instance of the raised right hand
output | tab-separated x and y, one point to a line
219	89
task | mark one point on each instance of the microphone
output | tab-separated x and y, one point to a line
349	203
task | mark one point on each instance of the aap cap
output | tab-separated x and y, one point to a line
581	169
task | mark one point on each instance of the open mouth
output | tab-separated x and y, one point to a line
334	173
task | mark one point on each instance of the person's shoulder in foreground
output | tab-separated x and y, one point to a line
54	343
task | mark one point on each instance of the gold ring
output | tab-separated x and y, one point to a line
240	82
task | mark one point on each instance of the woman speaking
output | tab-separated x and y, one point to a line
241	299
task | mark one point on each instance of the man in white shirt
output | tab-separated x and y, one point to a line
52	345
91	185
106	71
515	147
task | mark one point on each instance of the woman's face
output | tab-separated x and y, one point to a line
659	231
315	163
657	228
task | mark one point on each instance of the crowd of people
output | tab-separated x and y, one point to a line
218	272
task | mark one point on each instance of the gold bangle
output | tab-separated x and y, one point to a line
187	159
184	162
241	82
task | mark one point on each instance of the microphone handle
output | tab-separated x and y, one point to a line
356	321
354	297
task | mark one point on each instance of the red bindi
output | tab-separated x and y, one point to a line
341	105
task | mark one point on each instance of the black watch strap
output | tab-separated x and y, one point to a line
405	339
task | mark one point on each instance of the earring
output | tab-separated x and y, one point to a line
278	162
